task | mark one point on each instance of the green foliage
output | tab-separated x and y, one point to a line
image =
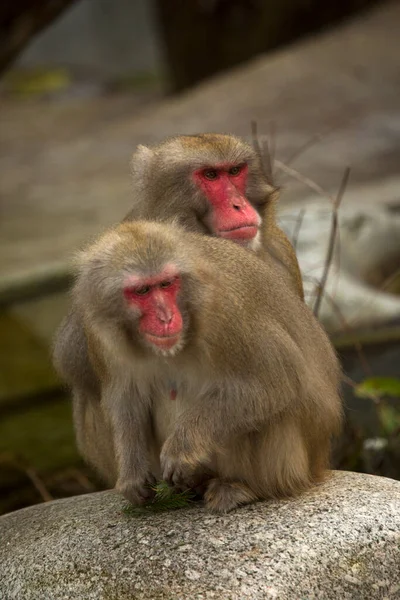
166	498
390	420
378	387
36	82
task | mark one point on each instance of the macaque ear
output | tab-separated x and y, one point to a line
141	161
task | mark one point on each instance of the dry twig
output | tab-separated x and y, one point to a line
266	152
306	180
81	478
332	239
30	472
296	231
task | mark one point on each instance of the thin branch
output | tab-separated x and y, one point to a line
308	182
271	148
389	280
264	152
299	223
82	479
332	238
354	384
308	144
39	484
357	344
254	136
318	137
30	472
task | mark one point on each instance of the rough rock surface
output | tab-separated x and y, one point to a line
367	254
341	540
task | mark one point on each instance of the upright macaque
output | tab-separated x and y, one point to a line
208	370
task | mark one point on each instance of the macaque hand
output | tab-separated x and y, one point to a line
183	465
137	490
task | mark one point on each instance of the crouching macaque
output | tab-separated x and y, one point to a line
208	370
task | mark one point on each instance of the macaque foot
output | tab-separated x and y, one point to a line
137	491
222	496
182	469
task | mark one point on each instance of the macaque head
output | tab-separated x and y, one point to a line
130	284
211	183
154	299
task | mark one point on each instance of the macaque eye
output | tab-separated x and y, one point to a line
234	170
165	284
211	174
142	291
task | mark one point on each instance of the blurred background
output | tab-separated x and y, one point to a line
82	82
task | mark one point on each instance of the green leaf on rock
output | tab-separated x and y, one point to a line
166	498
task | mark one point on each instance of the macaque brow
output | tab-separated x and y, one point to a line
224	166
168	275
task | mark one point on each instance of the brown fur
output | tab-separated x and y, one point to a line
164	191
257	378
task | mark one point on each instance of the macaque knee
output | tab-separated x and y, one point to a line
223	496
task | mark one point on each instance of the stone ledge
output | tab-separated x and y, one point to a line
340	540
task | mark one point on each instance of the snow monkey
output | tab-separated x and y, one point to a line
213	184
206	369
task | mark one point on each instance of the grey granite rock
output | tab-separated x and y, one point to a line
339	541
367	254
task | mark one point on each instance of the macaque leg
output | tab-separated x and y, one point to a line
273	463
130	419
94	435
283	459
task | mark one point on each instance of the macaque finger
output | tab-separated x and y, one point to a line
137	492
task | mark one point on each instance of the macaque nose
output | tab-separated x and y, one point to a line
165	314
237	200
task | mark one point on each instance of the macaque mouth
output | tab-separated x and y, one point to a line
246	232
165	342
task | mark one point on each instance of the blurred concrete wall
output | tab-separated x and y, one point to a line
110	37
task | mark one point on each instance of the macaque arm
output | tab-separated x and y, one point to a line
129	413
71	357
240	404
220	415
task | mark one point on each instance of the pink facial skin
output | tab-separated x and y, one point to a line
233	217
156	298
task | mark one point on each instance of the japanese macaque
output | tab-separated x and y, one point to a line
207	370
213	184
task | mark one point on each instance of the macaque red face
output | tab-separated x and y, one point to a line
232	216
160	321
